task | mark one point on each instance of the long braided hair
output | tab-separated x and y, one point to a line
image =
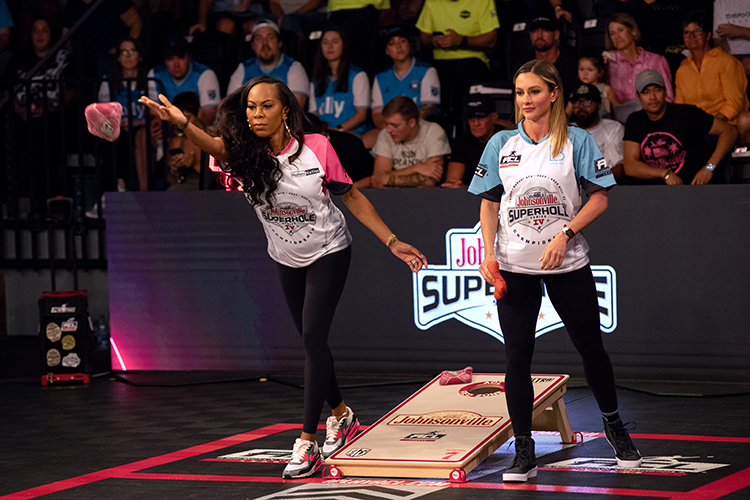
249	157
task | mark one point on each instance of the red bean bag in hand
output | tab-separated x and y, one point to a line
500	286
103	119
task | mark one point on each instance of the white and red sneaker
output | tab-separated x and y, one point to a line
339	432
305	460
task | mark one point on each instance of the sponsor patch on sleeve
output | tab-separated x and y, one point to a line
601	168
481	170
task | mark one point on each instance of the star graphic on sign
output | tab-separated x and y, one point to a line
489	315
541	315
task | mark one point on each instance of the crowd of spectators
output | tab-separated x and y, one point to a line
396	77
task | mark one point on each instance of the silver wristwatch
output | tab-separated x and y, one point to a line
710	167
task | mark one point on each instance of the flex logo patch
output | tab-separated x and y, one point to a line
457	291
511	160
537	208
424	436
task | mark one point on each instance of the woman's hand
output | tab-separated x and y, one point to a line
166	111
554	253
413	257
484	269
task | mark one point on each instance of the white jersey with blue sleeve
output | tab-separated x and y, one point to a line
335	108
286	69
199	79
420	83
538	194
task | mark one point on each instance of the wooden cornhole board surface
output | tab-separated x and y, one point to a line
444	428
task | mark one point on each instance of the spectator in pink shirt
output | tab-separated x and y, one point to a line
625	59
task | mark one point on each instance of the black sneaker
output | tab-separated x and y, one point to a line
625	451
524	465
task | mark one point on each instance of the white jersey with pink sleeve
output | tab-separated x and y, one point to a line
302	225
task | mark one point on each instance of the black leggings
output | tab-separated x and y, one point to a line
573	295
312	294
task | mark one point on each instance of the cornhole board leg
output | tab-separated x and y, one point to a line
445	431
555	418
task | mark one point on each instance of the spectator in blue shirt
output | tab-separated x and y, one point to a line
269	60
339	91
408	76
180	73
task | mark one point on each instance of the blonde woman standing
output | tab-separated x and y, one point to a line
532	215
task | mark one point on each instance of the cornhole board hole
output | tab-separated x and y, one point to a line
445	431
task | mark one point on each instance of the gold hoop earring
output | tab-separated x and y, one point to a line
287	128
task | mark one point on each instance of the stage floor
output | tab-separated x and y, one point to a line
228	440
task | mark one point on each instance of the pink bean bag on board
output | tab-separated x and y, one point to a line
456	377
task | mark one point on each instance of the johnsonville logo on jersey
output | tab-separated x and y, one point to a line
511	160
289	216
537	208
455	418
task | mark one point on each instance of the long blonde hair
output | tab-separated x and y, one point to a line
558	123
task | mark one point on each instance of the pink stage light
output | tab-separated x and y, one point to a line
117	353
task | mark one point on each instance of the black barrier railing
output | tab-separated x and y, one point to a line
48	153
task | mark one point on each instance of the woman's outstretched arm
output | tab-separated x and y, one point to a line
166	111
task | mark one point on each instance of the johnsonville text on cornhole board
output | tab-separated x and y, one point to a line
441	428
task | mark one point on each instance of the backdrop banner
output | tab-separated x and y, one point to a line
192	287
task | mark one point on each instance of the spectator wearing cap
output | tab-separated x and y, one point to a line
586	101
180	73
665	142
710	78
625	60
409	152
269	60
481	113
460	33
408	76
544	33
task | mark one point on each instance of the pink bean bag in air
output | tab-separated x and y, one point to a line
104	119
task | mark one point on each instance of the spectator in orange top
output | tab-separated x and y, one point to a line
712	79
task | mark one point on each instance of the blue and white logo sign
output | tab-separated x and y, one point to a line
457	291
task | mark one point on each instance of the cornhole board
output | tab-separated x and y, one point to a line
445	431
